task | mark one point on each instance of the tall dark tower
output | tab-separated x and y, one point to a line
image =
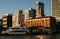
39	9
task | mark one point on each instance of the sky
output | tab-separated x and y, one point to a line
10	6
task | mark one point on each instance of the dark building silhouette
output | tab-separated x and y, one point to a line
0	22
32	13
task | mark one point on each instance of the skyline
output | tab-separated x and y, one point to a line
10	6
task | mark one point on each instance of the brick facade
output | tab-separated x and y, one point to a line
43	22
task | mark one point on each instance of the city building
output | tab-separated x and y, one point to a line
47	22
41	20
17	18
7	20
28	14
39	9
56	9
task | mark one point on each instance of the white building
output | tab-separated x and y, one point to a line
17	18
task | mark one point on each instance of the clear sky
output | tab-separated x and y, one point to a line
10	6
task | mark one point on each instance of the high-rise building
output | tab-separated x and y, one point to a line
39	9
17	18
56	9
31	13
7	20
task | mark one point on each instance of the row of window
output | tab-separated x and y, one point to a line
38	23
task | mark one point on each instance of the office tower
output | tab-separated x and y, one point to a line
7	20
39	9
56	9
28	14
17	18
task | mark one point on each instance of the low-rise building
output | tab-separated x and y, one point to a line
48	22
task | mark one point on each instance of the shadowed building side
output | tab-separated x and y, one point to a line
7	20
0	23
28	14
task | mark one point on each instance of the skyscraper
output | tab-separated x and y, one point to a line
17	18
39	9
56	9
30	13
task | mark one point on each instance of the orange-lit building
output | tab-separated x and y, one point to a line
43	22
